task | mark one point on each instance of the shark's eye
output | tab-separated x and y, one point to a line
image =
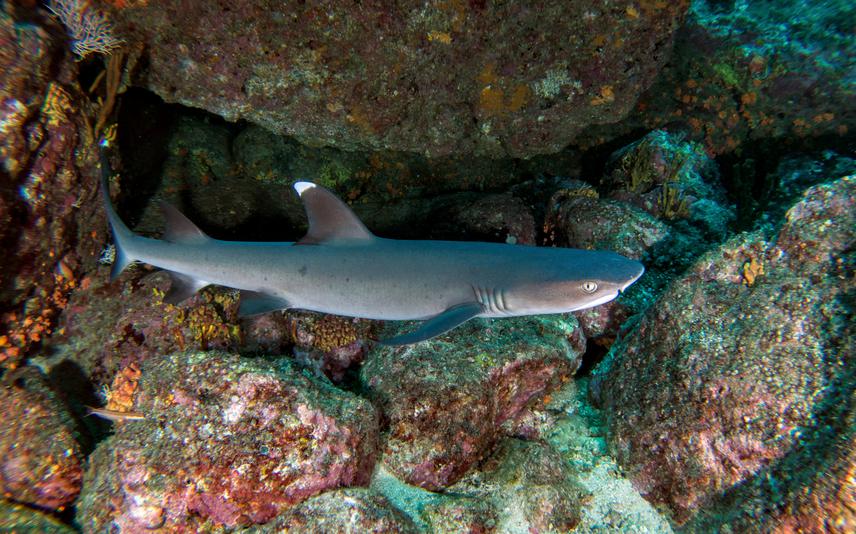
589	287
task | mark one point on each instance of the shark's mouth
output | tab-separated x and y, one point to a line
603	299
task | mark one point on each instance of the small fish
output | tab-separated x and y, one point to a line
114	415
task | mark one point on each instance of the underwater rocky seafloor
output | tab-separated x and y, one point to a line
712	141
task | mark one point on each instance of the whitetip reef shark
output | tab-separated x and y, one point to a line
341	268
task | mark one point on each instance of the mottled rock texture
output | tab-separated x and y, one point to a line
672	179
49	215
108	325
500	217
581	221
740	361
436	78
349	511
41	461
16	518
522	487
226	442
750	72
778	73
446	401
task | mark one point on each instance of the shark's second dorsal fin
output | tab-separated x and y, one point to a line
330	219
180	229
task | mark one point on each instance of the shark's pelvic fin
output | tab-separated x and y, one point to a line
180	229
449	319
183	287
253	303
330	219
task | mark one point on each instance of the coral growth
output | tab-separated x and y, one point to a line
495	87
41	461
448	402
245	441
120	395
89	28
745	364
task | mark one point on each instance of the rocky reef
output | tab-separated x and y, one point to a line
225	442
42	458
435	79
748	348
447	402
710	140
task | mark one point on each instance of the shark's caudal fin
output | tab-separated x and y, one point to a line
179	229
122	235
449	319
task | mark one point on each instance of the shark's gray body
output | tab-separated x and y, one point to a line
341	268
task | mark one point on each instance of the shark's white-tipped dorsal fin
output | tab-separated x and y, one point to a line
330	219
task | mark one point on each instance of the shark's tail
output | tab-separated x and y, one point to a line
122	235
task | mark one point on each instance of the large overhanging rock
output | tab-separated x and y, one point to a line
438	78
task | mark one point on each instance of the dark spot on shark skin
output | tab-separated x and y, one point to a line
302	271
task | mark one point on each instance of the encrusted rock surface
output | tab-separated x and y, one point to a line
446	401
109	325
437	78
349	511
16	518
740	361
49	217
41	461
672	179
500	217
753	72
329	344
581	221
522	487
226	441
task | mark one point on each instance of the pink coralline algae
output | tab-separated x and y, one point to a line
446	403
41	461
49	215
722	381
438	79
226	442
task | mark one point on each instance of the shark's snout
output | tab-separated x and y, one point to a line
636	270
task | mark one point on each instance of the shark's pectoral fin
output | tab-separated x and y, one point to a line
253	303
183	287
449	319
